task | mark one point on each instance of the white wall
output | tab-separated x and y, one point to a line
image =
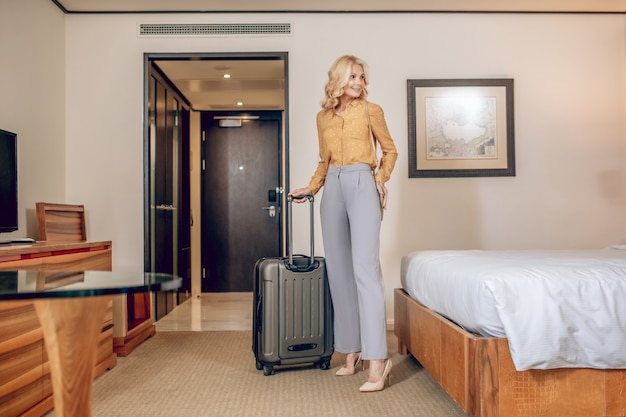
32	102
570	129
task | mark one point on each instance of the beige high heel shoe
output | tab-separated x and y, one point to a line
380	384
343	371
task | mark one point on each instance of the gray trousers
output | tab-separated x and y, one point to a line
350	216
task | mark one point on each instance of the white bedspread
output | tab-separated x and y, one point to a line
558	309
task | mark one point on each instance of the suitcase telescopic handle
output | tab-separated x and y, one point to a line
290	198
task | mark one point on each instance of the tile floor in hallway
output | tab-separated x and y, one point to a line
210	311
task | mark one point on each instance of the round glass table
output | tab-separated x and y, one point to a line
70	306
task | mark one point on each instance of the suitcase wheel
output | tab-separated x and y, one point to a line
259	366
268	370
325	365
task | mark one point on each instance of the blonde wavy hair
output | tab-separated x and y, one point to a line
338	77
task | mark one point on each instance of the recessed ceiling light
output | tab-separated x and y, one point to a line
239	102
226	75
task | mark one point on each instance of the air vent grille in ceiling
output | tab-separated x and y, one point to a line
204	29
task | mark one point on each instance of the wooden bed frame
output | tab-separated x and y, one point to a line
478	372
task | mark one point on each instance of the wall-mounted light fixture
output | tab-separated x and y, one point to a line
233	121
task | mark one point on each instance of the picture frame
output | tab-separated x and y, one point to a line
461	128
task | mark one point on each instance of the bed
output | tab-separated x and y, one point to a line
471	357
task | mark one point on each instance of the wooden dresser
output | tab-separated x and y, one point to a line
25	386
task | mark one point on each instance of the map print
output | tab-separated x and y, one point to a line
460	127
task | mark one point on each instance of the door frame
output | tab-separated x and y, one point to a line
195	200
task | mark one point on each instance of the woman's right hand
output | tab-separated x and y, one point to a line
300	192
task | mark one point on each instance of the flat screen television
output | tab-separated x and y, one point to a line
8	181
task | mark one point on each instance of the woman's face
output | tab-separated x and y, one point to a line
356	82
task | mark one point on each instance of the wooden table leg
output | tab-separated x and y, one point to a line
71	327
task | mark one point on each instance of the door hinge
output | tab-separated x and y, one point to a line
204	136
203	164
203	273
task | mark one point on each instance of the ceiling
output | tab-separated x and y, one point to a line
253	84
259	84
204	6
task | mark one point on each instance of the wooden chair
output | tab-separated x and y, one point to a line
61	222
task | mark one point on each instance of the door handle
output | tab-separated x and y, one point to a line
166	207
271	210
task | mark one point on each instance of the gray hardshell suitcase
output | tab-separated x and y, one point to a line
292	313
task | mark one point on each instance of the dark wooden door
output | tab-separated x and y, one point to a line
241	219
184	208
169	212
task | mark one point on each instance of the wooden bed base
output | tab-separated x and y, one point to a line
478	372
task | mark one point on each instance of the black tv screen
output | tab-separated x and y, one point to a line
8	181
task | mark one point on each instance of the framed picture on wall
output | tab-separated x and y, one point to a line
461	128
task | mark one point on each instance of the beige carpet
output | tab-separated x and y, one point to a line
214	374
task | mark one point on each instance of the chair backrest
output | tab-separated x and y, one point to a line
61	222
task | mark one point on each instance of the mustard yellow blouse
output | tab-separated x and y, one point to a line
345	140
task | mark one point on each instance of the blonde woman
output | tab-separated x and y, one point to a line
351	211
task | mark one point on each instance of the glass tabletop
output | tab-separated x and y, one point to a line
29	284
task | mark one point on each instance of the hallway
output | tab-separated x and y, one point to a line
210	312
